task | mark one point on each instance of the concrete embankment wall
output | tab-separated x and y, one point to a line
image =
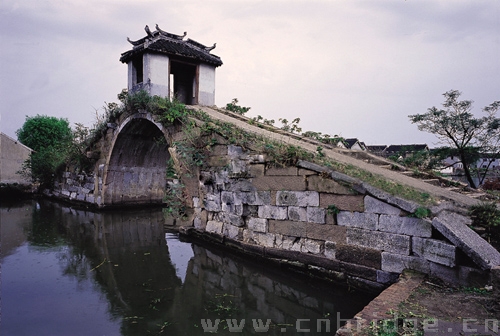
329	222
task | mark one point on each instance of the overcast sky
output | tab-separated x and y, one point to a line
350	68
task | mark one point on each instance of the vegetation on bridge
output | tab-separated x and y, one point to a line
199	139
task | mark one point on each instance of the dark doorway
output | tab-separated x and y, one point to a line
184	82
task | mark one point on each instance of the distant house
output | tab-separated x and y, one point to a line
12	155
490	161
354	143
404	150
453	165
376	149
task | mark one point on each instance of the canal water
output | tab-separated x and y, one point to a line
66	271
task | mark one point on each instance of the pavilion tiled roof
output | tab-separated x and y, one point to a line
162	42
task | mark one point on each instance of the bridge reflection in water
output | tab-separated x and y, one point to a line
147	284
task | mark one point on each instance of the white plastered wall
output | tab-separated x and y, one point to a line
156	74
206	87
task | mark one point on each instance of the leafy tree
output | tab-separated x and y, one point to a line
456	126
50	138
41	132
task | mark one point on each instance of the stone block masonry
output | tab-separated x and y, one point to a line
329	222
305	215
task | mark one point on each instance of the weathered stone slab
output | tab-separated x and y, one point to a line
287	228
281	253
359	255
306	172
297	214
227	197
445	273
355	183
238	167
233	209
250	210
90	198
234	151
396	263
288	243
342	202
383	241
286	171
316	215
410	226
264	239
232	232
240	185
256	170
297	183
326	185
373	205
384	277
330	249
235	220
312	166
332	233
218	150
273	212
253	197
434	250
217	161
391	199
258	224
360	271
358	219
214	227
212	202
297	198
312	246
473	277
454	227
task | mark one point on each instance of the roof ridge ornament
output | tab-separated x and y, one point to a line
211	48
135	43
150	34
167	34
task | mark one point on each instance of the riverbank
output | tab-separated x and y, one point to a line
420	306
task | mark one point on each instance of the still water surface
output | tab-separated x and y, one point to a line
73	272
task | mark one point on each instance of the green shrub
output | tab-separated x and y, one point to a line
421	212
485	214
234	107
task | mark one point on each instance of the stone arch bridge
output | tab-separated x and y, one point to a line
308	215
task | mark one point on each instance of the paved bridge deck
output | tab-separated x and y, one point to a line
341	155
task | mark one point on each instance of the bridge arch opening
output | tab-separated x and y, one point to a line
136	169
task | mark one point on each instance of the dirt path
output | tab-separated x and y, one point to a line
465	311
346	159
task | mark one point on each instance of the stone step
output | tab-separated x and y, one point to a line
386	166
477	195
435	182
454	189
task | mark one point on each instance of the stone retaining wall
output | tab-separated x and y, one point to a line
305	214
77	187
323	219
